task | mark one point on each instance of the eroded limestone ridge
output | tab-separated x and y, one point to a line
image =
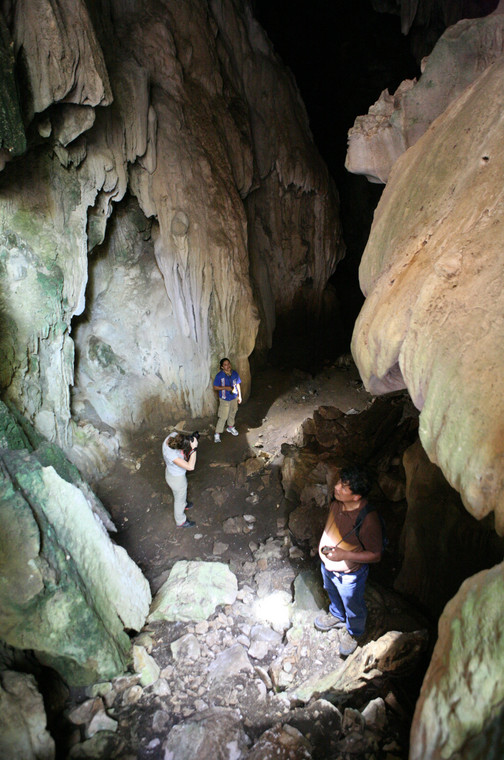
395	122
432	274
170	196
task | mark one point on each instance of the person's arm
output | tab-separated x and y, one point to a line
218	388
335	554
365	556
238	389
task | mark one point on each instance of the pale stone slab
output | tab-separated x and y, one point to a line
193	590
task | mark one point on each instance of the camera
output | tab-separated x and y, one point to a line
188	439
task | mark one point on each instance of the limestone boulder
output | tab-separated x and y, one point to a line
212	734
395	122
459	712
193	590
66	591
432	275
23	721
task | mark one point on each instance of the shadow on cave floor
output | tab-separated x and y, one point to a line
137	497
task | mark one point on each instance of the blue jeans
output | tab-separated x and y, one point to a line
346	595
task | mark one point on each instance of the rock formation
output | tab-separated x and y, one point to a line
459	713
433	323
432	272
442	544
395	122
169	207
66	592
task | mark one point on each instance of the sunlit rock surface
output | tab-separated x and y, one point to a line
395	122
459	712
170	201
432	272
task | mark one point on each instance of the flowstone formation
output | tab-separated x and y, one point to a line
169	208
433	322
395	122
432	274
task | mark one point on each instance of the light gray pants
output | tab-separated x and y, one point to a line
178	485
226	413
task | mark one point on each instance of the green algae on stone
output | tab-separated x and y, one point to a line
104	354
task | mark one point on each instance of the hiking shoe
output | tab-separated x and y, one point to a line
216	438
187	524
232	430
189	505
327	622
348	644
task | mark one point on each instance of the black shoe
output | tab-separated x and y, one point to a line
187	524
189	505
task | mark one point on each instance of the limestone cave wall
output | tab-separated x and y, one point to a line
162	204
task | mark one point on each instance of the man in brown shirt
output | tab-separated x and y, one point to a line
346	556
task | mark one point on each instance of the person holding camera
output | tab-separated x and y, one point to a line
227	385
352	539
179	454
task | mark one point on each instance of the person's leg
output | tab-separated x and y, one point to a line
336	606
222	415
233	408
178	485
351	587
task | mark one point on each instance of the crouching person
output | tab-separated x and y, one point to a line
351	541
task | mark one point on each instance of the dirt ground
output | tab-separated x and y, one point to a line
140	502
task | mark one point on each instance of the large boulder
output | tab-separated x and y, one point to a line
459	713
23	721
67	592
432	272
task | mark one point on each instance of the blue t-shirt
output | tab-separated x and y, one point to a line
233	379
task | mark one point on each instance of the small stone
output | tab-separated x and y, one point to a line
132	695
100	722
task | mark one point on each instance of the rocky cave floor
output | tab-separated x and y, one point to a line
241	517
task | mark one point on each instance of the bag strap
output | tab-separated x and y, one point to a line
366	509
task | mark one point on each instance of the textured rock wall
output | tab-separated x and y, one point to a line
459	713
441	543
395	122
66	591
169	199
432	273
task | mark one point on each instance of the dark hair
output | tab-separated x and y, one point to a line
177	441
357	478
223	360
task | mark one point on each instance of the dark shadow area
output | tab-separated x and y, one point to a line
342	56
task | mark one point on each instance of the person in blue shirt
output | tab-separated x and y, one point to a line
227	385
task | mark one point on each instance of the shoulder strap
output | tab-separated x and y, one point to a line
360	520
358	524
